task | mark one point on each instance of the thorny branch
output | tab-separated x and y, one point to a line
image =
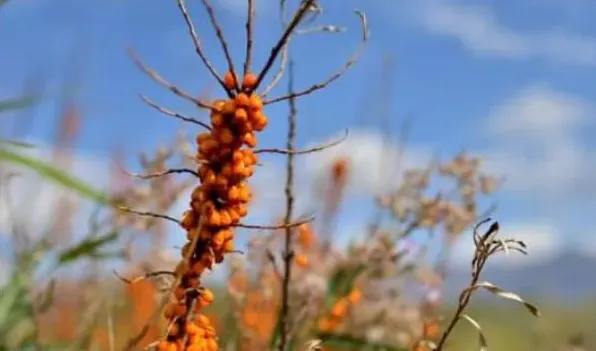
298	16
161	174
250	16
288	253
173	114
222	40
198	46
339	73
161	81
307	151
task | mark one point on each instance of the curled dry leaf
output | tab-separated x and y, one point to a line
481	338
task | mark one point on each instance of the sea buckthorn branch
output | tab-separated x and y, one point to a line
288	253
284	51
171	113
339	73
199	47
144	276
161	174
222	40
300	13
306	151
161	81
146	213
250	15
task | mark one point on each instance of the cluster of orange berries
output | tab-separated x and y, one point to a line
339	311
226	160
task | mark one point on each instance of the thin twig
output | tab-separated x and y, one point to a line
288	253
173	114
161	81
284	53
275	227
249	35
161	174
147	214
339	73
222	39
307	151
298	16
143	277
198	46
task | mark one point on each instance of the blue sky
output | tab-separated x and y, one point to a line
513	81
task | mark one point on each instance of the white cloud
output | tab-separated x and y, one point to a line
33	198
371	160
478	29
542	240
536	143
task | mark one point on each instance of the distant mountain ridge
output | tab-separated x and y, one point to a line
569	276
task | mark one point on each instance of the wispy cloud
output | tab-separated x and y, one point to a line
478	28
537	144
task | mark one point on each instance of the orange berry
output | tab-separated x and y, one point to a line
198	268
207	296
249	139
249	81
240	115
226	219
162	346
179	310
340	308
211	345
260	122
188	220
255	102
301	260
229	107
217	119
355	296
229	80
226	136
242	100
229	246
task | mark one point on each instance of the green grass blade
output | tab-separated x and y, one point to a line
55	175
19	102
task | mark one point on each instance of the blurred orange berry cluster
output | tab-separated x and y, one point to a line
339	311
217	204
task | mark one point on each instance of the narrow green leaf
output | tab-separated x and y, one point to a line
16	143
19	102
54	174
87	248
47	298
342	282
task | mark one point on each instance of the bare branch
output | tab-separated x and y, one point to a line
298	16
161	174
275	227
161	81
249	35
288	254
198	46
222	39
147	214
173	114
307	151
340	72
144	276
